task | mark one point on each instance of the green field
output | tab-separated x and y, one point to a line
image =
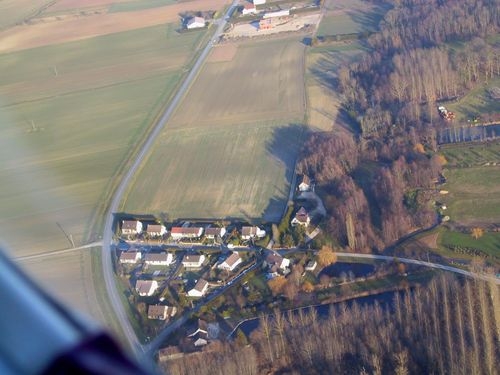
472	155
477	102
474	195
230	149
489	243
71	113
241	171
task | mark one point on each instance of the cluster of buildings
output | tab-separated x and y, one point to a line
186	231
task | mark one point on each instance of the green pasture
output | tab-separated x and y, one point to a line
243	171
489	243
471	155
476	102
474	195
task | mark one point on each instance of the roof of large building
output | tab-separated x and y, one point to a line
129	255
213	231
200	285
154	228
248	231
192	258
144	286
186	230
232	259
156	257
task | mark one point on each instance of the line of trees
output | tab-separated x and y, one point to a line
448	327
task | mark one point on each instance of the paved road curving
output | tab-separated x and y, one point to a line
107	263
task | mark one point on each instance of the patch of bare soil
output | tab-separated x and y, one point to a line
223	52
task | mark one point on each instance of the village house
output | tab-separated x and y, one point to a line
305	183
199	289
146	287
248	8
159	259
196	23
215	232
156	230
178	233
251	232
160	312
193	261
311	265
130	257
204	332
277	14
301	218
231	262
131	227
275	261
259	2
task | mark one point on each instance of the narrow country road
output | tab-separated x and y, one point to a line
107	262
422	263
58	252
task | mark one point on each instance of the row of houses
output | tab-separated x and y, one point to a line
135	227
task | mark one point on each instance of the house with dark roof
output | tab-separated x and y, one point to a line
146	287
215	232
161	312
131	227
199	289
248	232
158	259
193	260
156	230
231	262
274	260
301	218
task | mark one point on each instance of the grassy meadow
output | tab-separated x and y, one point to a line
230	149
71	113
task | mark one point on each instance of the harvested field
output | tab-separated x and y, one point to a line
16	11
80	4
223	52
55	170
323	99
72	29
350	16
68	277
242	171
263	82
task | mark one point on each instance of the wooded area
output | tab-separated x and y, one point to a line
377	179
450	326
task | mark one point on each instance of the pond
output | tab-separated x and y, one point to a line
339	268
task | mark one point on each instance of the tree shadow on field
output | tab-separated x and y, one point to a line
369	19
284	146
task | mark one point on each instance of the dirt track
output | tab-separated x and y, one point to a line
77	28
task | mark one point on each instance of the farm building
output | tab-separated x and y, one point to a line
159	259
178	233
160	312
130	257
248	8
305	183
131	227
259	2
199	289
196	23
215	232
251	232
277	14
301	218
156	230
193	261
231	262
146	287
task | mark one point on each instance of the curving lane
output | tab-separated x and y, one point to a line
107	263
